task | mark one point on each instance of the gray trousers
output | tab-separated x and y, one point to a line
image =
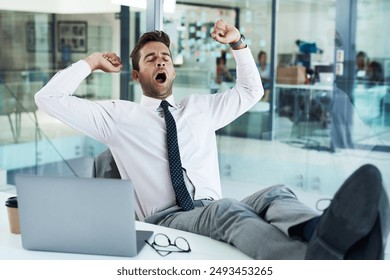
258	225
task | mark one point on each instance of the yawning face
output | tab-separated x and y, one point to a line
156	72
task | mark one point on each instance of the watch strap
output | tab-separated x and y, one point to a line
239	43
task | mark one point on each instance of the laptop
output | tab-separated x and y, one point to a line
78	215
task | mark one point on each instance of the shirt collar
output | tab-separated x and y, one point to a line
154	103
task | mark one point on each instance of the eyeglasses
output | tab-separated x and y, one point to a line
163	245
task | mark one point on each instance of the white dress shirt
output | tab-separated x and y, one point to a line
136	136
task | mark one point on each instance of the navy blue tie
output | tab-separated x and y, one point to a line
183	198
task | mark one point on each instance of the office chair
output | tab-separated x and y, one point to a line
104	166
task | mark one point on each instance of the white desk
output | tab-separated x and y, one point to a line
202	248
326	87
306	91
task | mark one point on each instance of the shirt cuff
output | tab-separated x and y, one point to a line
71	77
82	68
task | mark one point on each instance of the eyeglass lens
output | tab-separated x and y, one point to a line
162	242
182	244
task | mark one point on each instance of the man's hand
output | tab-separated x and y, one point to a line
107	62
226	34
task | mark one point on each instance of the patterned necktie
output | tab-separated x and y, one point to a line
183	198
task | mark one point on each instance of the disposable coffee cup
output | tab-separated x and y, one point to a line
13	214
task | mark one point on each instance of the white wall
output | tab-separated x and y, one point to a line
371	28
308	22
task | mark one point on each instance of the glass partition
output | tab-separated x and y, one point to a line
34	47
371	94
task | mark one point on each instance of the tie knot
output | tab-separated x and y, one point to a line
164	104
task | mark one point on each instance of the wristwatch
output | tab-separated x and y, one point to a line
239	43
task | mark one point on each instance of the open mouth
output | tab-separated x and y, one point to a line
161	78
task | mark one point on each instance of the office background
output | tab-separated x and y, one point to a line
321	119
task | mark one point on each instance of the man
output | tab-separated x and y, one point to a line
361	65
271	224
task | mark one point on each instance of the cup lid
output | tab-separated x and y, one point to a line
12	202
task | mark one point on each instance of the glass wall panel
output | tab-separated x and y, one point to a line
331	130
34	46
371	95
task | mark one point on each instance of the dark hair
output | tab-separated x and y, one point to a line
261	53
375	73
153	36
362	54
